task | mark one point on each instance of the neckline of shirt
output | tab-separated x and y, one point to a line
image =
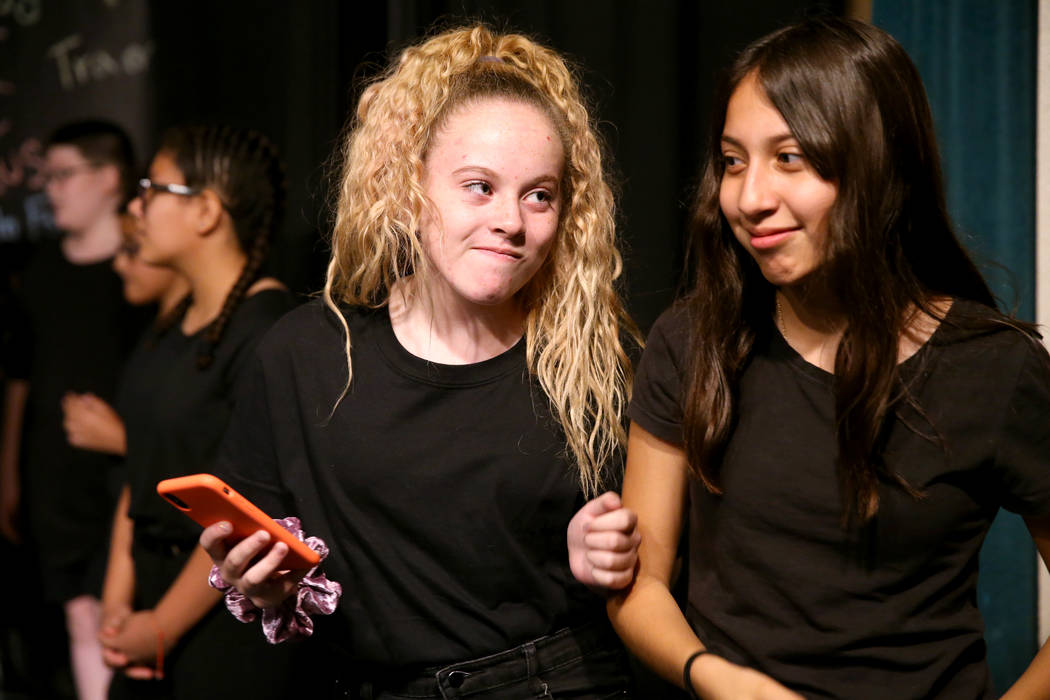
437	374
782	348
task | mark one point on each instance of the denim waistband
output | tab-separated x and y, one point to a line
487	673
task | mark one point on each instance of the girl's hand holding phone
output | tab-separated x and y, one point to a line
261	580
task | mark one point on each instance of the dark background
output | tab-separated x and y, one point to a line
293	70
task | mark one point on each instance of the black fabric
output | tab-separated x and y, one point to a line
443	491
219	657
583	663
776	583
175	414
76	334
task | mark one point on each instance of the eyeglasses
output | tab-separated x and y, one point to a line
147	188
62	174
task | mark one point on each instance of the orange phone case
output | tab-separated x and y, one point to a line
208	499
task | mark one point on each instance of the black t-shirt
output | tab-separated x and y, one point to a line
175	414
76	332
443	491
776	583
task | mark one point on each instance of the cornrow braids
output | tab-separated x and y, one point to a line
243	168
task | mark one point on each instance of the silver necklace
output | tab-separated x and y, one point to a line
780	318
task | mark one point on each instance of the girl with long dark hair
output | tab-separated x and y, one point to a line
837	406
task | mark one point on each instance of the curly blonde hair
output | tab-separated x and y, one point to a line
574	316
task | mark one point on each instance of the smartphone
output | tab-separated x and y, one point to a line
208	499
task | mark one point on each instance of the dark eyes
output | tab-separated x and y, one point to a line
732	163
480	187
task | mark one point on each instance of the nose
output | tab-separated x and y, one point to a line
135	207
757	197
507	217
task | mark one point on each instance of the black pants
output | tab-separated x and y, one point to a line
586	663
219	657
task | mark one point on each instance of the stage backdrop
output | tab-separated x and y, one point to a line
978	60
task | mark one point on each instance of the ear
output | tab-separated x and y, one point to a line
110	175
209	212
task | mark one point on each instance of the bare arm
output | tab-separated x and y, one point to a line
188	599
15	395
119	586
646	616
1035	681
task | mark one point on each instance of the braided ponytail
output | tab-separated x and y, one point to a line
243	168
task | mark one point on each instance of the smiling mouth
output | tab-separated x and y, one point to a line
765	232
764	239
514	255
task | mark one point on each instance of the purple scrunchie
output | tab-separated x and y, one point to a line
316	595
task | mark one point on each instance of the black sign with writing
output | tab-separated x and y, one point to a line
62	61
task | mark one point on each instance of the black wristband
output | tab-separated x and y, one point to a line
686	679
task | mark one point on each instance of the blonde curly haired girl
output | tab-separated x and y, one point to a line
574	317
441	417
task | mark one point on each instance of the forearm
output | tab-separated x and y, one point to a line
119	587
652	626
188	599
1034	683
15	395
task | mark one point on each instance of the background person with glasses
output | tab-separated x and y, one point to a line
207	212
74	334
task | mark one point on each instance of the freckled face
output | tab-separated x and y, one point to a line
494	175
771	196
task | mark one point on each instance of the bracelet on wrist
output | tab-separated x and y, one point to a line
687	680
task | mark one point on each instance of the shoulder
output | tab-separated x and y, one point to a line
313	324
974	328
255	315
264	306
988	353
670	335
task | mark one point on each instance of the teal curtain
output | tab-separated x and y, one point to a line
978	61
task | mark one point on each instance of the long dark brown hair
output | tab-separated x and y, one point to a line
242	166
856	105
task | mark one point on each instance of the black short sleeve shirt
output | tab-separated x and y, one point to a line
443	491
776	582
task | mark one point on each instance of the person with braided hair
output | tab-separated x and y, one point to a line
207	211
455	398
